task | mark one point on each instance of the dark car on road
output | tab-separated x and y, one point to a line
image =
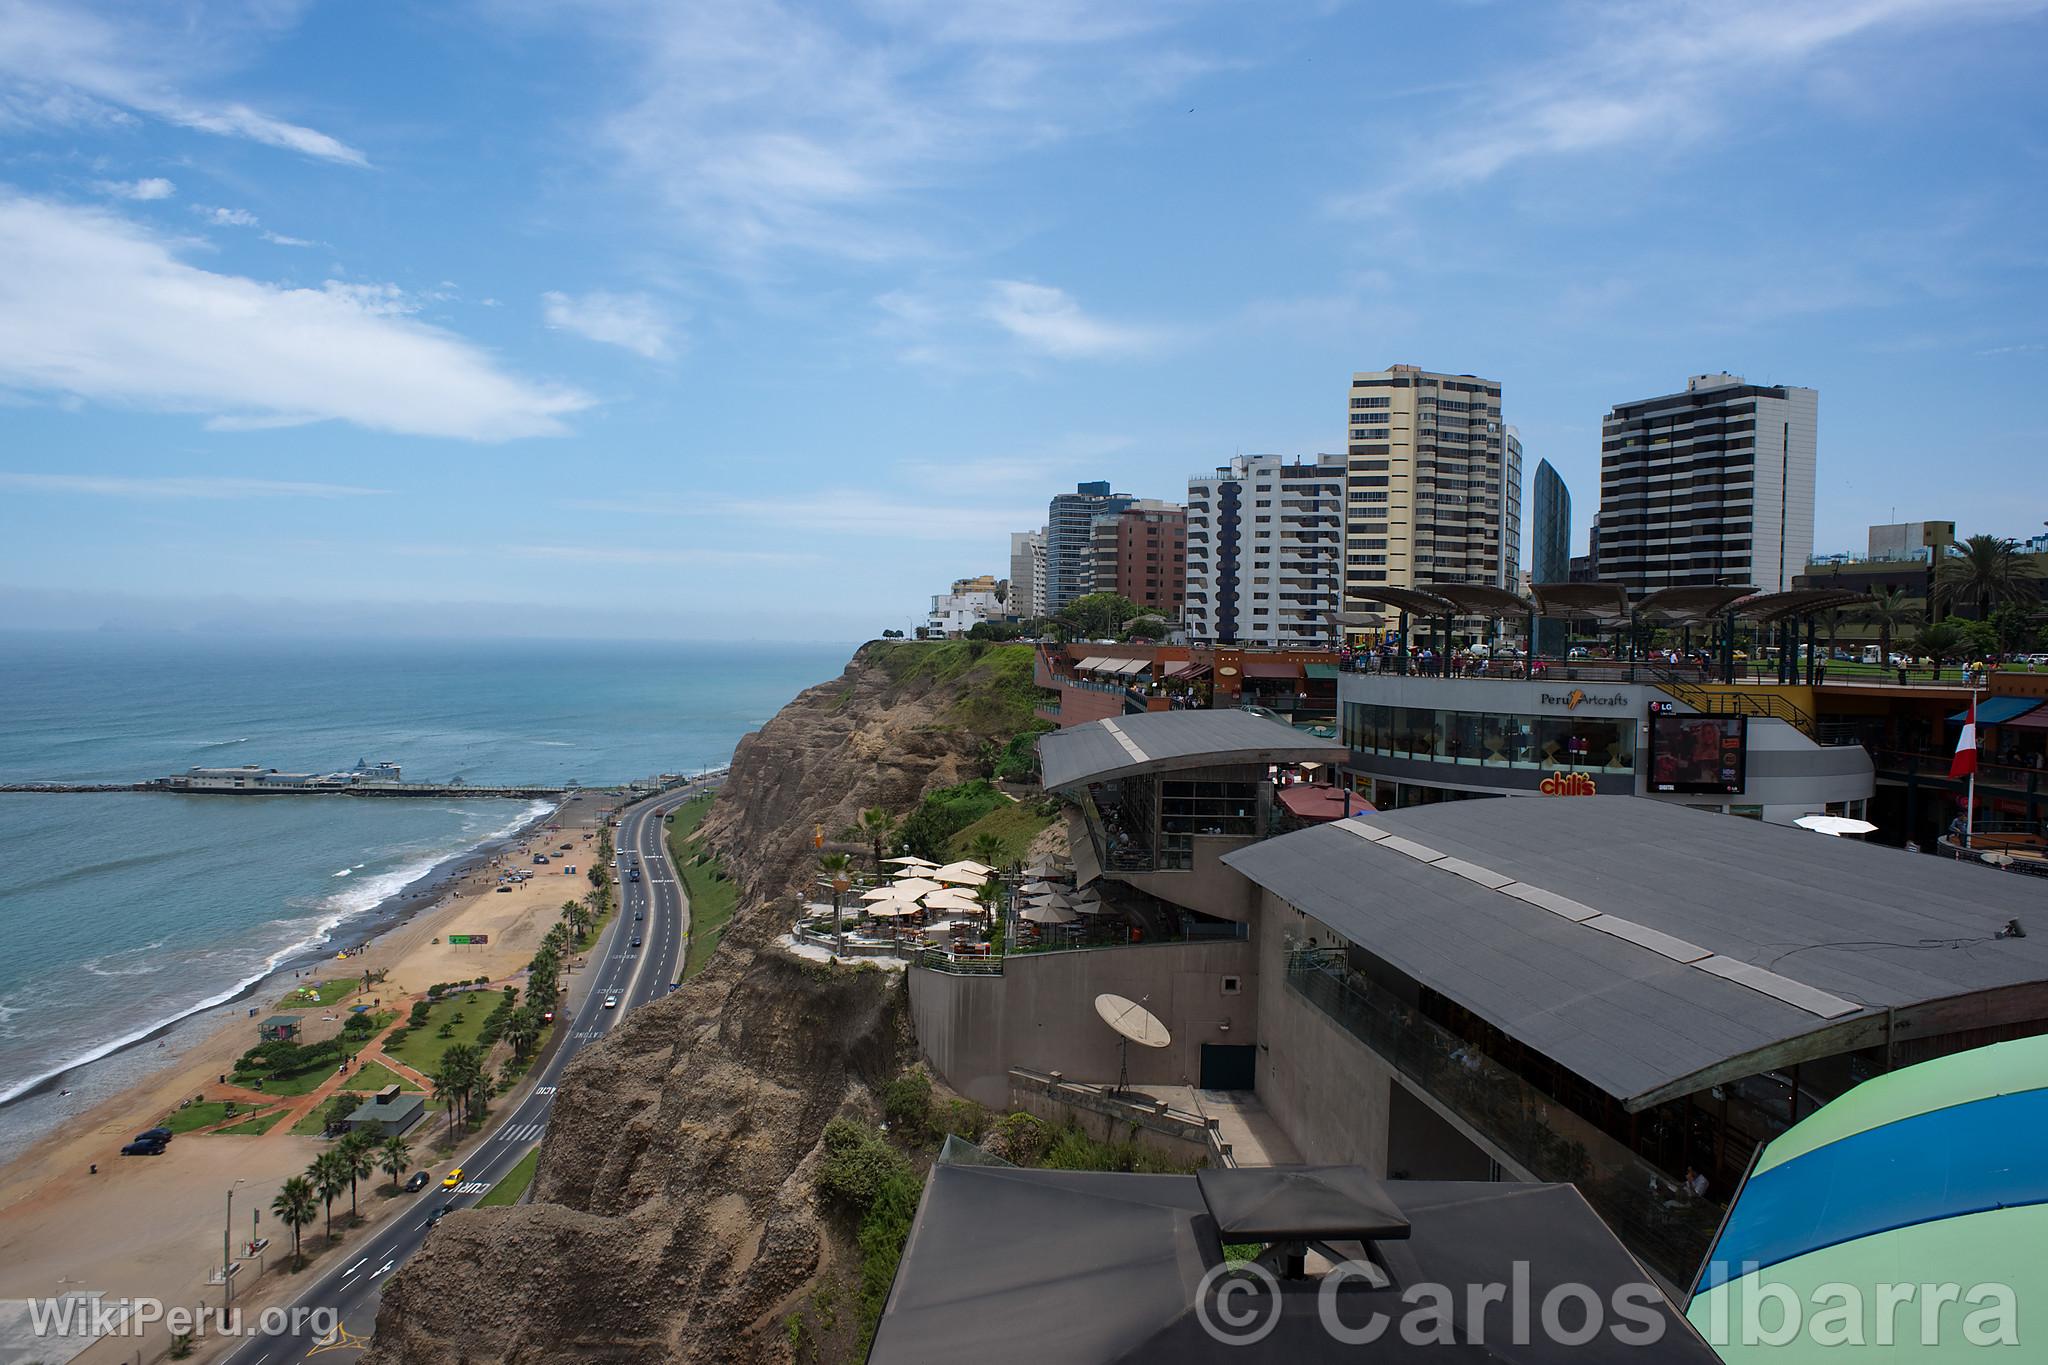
143	1149
636	940
418	1182
154	1135
438	1214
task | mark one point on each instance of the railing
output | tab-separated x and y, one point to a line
938	960
1897	762
2012	845
1646	1207
1717	702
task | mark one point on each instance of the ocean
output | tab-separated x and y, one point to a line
122	913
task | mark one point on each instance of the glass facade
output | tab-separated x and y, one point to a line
1550	547
1190	808
1492	739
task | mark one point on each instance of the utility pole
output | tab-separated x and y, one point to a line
227	1260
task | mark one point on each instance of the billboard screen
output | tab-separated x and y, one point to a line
1699	754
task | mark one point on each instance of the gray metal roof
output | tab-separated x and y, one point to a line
1639	943
1160	740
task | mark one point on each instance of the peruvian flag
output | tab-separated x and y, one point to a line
1964	764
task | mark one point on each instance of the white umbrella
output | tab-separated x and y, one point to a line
950	900
1051	898
891	909
914	886
969	865
1836	825
1050	914
966	874
1045	867
911	860
1041	888
886	893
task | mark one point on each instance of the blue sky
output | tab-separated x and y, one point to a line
643	319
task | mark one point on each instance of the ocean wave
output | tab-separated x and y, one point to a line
343	873
556	743
94	964
219	744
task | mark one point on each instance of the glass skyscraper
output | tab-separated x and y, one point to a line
1550	546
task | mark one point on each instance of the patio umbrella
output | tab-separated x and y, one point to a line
914	886
1050	914
1040	888
911	860
1052	898
1837	825
1045	867
950	900
969	865
891	909
883	893
962	874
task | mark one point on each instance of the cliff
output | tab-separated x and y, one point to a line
673	1216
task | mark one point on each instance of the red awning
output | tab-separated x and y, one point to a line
2036	719
1187	668
1314	801
1288	671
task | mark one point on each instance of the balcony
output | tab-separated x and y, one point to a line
1668	1229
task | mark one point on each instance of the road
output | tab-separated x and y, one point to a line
652	910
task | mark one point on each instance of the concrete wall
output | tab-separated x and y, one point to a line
1040	1014
1208	887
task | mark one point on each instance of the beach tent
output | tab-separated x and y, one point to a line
1929	1173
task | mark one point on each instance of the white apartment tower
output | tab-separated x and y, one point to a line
1264	535
1433	485
1027	574
1710	486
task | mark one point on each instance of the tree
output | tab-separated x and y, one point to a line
1939	641
835	867
990	894
987	849
879	827
460	1072
2009	627
394	1158
1990	570
358	1152
329	1177
295	1207
1147	626
1889	610
1097	615
522	1030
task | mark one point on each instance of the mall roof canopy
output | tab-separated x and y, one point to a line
1691	605
1158	741
1481	599
1600	601
1414	601
1006	1265
1656	950
1776	606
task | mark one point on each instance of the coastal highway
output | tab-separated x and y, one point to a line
351	1278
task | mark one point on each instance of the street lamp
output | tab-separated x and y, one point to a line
227	1255
840	883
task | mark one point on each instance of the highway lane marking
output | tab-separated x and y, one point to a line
545	1090
357	1266
525	1132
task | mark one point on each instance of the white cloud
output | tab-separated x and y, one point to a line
628	320
1048	320
761	127
59	64
150	187
220	217
279	239
1634	73
118	486
94	306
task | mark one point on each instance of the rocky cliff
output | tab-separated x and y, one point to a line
673	1214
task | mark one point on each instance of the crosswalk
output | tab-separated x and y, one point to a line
523	1132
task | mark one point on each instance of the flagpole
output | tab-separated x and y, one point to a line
1970	806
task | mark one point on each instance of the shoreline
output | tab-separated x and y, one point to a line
427	892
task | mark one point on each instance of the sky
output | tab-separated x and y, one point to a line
626	318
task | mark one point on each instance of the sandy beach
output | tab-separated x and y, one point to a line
153	1226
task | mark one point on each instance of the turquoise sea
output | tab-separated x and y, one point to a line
121	913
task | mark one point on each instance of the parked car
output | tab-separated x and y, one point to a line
418	1182
154	1135
143	1149
438	1214
452	1179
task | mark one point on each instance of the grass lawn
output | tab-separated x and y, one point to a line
192	1116
255	1127
375	1076
422	1047
513	1186
309	997
712	896
315	1122
290	1085
1014	823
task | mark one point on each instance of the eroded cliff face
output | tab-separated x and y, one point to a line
673	1215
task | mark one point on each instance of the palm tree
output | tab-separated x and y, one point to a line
394	1158
329	1177
463	1065
358	1152
1989	570
986	849
990	894
880	827
835	867
1889	609
522	1031
294	1207
1939	641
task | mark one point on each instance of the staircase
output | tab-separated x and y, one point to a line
1721	701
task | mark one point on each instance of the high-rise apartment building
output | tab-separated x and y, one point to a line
1142	553
1550	545
1710	486
1027	573
1433	485
1069	531
1264	536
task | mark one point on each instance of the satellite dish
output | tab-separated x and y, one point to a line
1132	1020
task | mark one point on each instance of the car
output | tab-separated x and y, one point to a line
639	914
452	1179
611	1002
636	940
418	1182
143	1149
438	1214
154	1135
504	890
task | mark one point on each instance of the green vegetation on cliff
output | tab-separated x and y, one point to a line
713	895
1013	824
996	694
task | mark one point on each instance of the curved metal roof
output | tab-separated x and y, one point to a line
1414	601
1776	606
1692	604
1157	741
1602	601
1483	599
